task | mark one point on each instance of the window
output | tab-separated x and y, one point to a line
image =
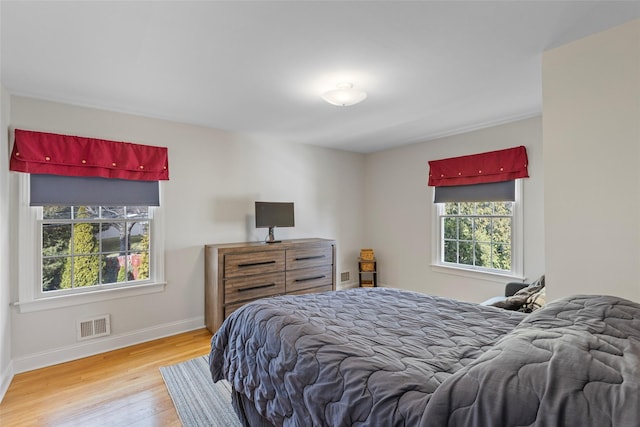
478	211
89	219
480	236
45	246
94	246
477	234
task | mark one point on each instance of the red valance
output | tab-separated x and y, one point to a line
492	166
53	154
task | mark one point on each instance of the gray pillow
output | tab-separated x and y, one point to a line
526	299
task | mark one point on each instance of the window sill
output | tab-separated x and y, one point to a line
52	303
477	274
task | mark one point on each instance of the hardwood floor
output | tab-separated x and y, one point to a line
119	388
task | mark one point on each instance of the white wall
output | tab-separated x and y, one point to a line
215	178
399	210
6	370
591	154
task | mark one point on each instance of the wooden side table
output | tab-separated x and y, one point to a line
367	273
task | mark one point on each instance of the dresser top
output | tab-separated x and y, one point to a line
283	244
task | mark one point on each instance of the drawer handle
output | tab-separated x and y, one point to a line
253	264
304	258
251	288
310	278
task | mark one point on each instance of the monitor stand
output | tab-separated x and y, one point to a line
271	238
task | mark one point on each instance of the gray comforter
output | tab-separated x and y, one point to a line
575	362
383	357
361	357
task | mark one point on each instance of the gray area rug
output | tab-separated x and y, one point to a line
198	400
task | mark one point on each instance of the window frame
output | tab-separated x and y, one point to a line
29	250
517	245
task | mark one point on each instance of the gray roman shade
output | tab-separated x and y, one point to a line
92	191
495	192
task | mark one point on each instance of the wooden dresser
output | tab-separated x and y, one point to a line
238	273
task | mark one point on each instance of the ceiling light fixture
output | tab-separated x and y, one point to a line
344	96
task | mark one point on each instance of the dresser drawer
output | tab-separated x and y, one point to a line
308	278
258	286
242	264
325	288
309	257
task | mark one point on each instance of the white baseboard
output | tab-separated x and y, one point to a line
101	345
352	285
5	379
346	285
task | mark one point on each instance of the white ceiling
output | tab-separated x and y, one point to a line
431	68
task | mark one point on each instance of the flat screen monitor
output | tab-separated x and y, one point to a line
274	214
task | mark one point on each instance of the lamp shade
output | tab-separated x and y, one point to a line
344	96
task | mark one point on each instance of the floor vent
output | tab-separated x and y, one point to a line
95	327
344	276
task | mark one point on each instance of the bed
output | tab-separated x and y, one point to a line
388	357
